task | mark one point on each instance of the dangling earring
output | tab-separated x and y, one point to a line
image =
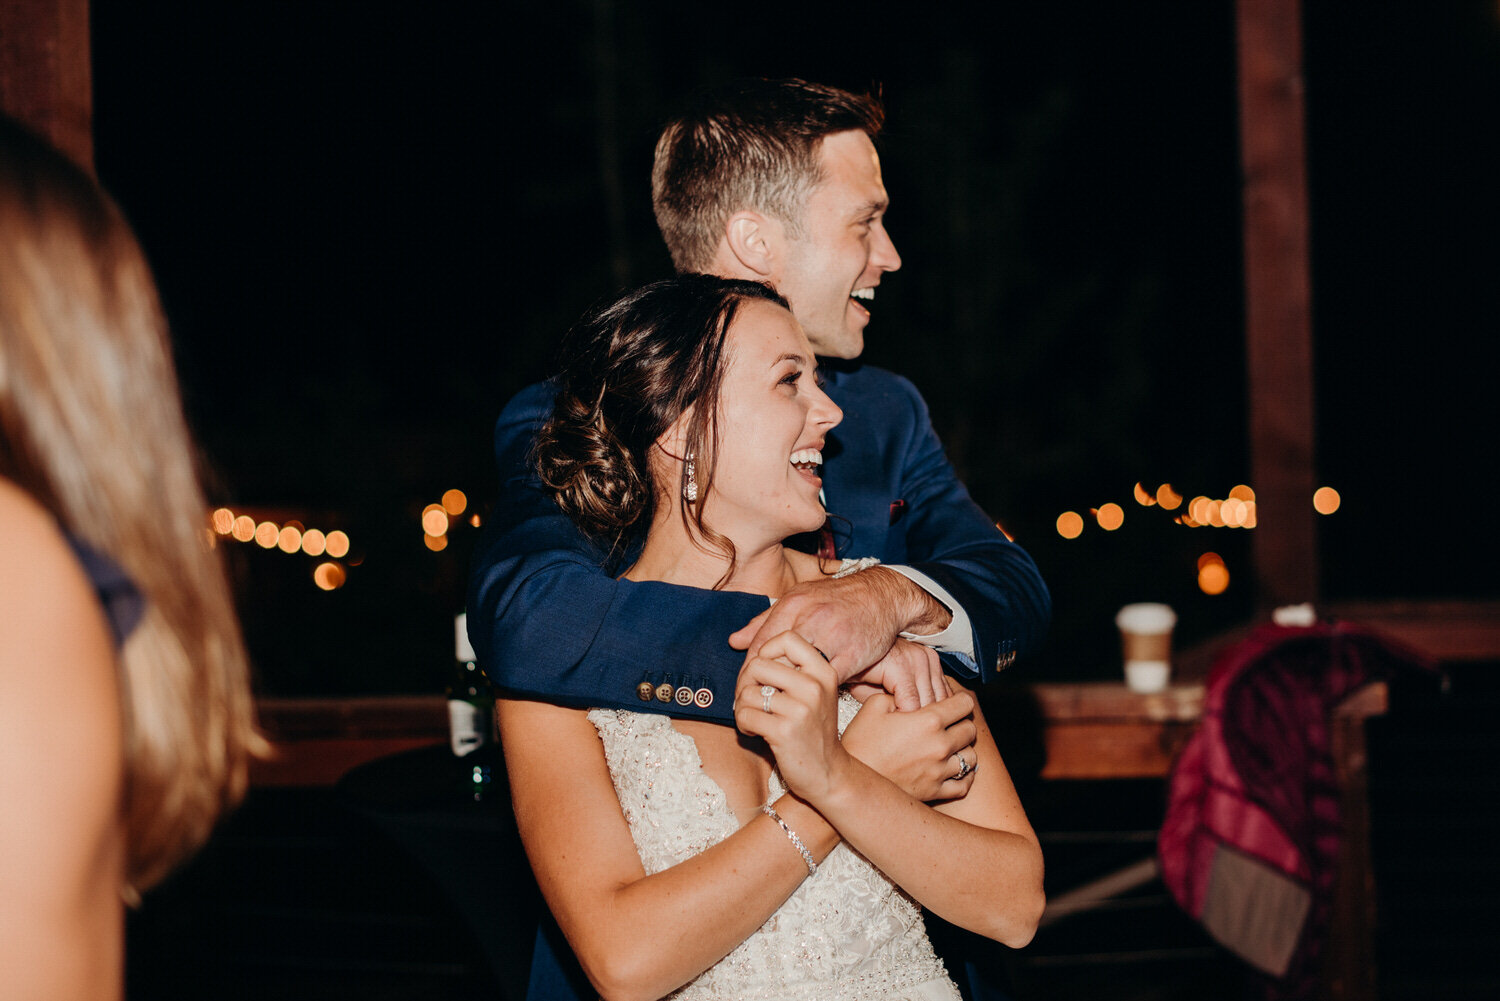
690	492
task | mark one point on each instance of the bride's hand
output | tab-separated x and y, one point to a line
919	750
801	727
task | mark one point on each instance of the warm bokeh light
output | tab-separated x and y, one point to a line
223	521
1250	514
1167	497
437	543
244	528
474	521
337	544
314	542
329	576
1242	493
1213	578
1215	517
1143	496
266	534
290	539
1111	516
1209	558
1070	524
434	520
1198	508
1326	500
1234	511
454	502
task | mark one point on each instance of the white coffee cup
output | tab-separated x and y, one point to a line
1146	640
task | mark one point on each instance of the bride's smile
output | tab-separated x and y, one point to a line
772	425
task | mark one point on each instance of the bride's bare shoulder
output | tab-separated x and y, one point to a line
810	568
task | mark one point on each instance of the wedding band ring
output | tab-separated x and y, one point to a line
964	768
766	691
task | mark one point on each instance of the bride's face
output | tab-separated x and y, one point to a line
772	423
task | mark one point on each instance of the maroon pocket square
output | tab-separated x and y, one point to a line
898	508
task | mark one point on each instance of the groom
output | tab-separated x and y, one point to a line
775	181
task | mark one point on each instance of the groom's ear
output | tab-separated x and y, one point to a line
754	241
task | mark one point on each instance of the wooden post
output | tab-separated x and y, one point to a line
1278	300
45	78
1349	971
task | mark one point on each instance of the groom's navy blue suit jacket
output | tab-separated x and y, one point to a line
546	622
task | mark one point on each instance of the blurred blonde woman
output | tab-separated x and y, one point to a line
126	722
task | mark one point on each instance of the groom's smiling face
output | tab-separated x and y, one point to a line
829	272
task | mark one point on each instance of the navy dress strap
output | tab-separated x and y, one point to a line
124	605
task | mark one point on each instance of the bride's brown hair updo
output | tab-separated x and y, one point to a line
629	370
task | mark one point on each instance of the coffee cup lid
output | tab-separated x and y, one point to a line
1146	617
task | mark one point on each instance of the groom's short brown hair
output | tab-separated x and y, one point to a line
754	144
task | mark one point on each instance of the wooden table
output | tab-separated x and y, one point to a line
1103	730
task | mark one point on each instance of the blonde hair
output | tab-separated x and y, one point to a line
91	425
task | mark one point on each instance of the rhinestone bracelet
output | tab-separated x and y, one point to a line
812	866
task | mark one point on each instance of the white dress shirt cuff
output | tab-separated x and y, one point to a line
958	638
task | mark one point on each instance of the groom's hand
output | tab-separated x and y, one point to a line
855	621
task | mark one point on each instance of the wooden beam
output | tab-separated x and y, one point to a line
1278	300
46	81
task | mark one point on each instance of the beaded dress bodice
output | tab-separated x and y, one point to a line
847	933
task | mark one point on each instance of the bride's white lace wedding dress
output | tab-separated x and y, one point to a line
847	933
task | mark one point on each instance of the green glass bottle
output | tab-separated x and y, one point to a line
471	716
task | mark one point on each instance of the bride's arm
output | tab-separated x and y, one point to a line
638	936
974	861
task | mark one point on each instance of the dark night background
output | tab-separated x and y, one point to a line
371	222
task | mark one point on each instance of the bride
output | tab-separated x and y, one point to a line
680	857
